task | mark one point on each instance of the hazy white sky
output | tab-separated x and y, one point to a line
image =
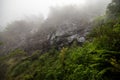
17	9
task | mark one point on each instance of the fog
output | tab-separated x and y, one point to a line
11	10
40	24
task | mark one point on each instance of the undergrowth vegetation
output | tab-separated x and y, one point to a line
97	59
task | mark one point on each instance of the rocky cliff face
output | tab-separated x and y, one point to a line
68	37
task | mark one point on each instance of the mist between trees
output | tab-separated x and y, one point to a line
62	23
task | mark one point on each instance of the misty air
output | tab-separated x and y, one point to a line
59	40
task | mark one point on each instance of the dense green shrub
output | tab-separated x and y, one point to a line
97	59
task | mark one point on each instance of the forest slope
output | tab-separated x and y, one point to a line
97	59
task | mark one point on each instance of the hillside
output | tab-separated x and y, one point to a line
97	57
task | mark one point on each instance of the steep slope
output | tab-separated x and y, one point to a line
97	59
